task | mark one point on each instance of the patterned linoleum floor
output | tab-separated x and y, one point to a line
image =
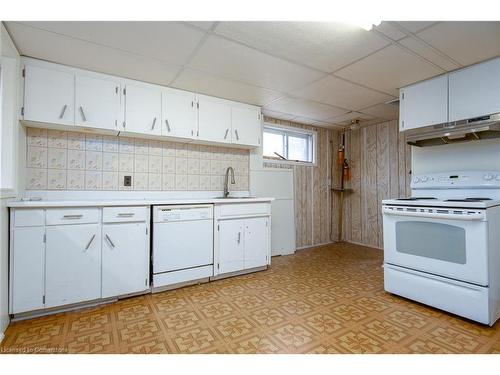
325	300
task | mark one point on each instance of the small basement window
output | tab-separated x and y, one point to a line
289	145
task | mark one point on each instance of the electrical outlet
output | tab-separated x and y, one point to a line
127	180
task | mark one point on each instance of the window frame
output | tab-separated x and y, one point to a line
290	130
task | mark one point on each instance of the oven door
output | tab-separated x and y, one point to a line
445	242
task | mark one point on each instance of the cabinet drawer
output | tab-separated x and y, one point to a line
28	217
72	215
123	214
244	209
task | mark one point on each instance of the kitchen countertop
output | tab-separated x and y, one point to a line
131	202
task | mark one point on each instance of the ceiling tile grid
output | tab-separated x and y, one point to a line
323	72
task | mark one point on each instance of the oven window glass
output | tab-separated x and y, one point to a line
431	240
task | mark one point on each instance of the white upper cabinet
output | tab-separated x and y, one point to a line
97	102
49	95
142	109
424	103
179	114
214	119
475	91
246	125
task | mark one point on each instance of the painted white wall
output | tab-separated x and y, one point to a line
475	155
9	134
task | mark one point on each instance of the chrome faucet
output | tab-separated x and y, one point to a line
226	188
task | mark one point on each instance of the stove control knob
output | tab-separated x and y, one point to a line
425	179
416	180
488	177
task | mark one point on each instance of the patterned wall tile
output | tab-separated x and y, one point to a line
153	164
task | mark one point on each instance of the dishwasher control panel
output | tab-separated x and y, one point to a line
163	214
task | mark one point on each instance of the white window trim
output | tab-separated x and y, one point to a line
278	127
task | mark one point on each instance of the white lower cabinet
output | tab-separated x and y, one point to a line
243	237
27	269
256	242
72	264
70	255
125	259
231	249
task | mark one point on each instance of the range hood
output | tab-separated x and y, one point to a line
485	127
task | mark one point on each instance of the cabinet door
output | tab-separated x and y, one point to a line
179	116
49	95
73	264
256	242
214	119
27	264
246	125
231	249
125	259
143	109
424	103
475	91
97	102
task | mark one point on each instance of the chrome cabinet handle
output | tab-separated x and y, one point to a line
109	240
239	237
63	111
83	114
225	135
126	214
154	123
90	242
168	125
72	216
237	136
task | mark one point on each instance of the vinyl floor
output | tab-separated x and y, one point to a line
328	299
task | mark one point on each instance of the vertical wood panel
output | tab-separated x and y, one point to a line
369	206
393	159
383	173
346	229
355	198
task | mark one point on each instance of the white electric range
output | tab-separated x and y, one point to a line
442	245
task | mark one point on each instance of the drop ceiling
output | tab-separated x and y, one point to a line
321	73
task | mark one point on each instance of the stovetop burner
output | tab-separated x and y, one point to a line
415	198
468	200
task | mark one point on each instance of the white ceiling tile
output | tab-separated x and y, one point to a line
383	111
205	25
466	42
429	53
416	26
78	53
323	45
277	115
389	69
172	42
338	92
350	116
304	120
205	83
235	61
305	108
390	30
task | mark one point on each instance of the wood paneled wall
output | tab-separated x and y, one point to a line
380	163
316	209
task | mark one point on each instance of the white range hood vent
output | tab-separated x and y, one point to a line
484	127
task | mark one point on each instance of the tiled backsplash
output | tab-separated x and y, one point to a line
60	160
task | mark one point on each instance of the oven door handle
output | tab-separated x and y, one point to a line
470	217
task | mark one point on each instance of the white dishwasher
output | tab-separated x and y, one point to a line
183	245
